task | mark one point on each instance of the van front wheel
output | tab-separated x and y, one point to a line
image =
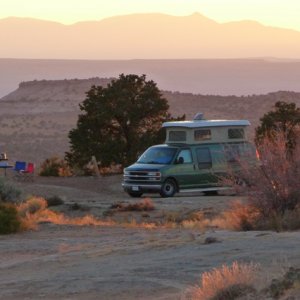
168	189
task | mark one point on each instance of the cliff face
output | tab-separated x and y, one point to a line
35	119
48	96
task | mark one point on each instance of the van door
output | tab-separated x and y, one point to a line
184	169
205	175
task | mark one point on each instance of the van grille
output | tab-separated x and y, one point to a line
141	176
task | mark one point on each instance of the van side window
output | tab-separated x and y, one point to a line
236	133
232	153
204	158
177	136
186	156
202	134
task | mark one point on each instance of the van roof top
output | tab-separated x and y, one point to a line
206	123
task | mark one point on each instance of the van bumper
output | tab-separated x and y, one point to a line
139	187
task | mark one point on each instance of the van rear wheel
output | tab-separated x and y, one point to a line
168	189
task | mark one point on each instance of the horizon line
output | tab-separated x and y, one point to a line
147	13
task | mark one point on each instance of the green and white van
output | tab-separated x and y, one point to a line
195	155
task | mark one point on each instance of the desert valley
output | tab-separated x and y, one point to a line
123	261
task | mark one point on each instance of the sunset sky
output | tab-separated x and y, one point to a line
269	12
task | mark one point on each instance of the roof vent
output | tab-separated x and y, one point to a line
198	116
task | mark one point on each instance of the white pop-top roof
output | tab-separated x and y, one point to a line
206	123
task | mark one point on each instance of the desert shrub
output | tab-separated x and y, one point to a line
278	287
273	186
226	282
33	211
32	206
235	291
239	216
54	201
290	220
279	175
143	205
9	219
55	166
8	192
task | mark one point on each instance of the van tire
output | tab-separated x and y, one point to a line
168	189
135	194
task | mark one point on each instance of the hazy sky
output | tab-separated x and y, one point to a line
280	13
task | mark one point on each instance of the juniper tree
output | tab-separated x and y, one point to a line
118	122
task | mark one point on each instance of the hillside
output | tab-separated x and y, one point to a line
163	37
35	119
197	76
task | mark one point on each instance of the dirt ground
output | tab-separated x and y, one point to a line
117	262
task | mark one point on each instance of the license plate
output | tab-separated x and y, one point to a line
135	188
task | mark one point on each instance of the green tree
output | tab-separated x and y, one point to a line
285	118
118	122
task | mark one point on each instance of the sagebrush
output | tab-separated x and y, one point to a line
273	185
9	219
8	192
226	282
55	166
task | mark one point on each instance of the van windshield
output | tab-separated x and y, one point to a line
158	155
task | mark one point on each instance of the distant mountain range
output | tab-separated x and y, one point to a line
145	36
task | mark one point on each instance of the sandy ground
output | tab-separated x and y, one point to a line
96	262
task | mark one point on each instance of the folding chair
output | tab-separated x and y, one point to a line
28	173
19	167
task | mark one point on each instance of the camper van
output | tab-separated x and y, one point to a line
196	154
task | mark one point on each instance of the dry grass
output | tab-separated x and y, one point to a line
243	217
134	224
239	217
144	205
226	282
35	211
